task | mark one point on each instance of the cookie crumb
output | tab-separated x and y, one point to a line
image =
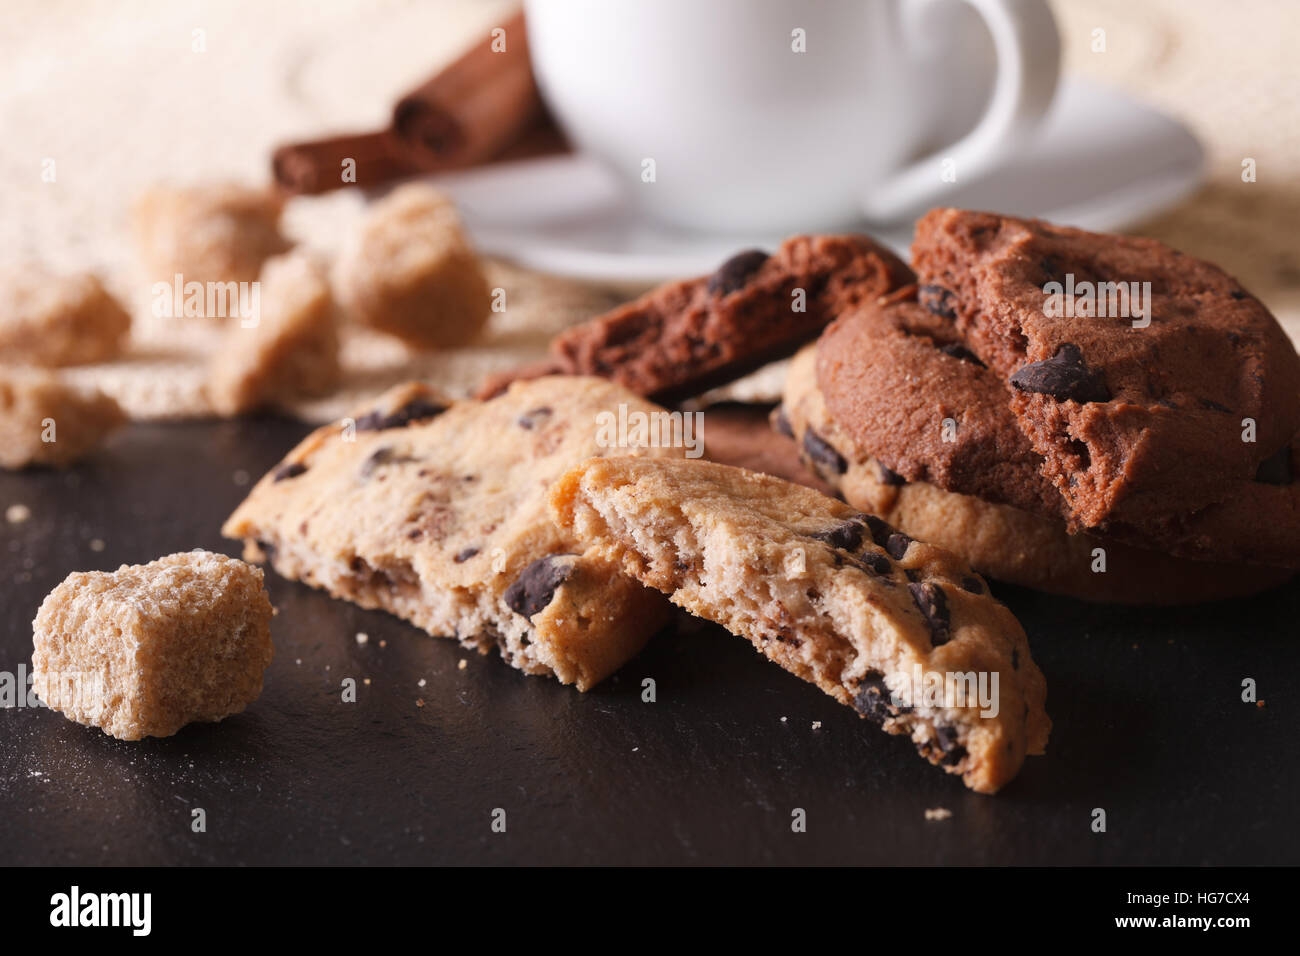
784	719
421	682
97	544
938	813
362	637
240	478
462	665
817	725
419	702
1259	703
383	643
366	681
17	514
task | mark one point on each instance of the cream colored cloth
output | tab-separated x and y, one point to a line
112	97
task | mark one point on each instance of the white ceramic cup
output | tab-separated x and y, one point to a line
746	131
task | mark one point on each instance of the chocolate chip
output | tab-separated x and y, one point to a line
1276	468
291	470
736	271
947	738
847	536
876	563
463	556
874	701
953	752
823	454
1065	377
384	455
1213	406
962	353
537	584
938	300
417	409
1238	294
781	422
896	545
933	604
530	420
267	548
881	530
890	477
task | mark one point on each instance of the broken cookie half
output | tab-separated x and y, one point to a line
435	510
902	631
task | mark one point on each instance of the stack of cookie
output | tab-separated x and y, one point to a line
1093	416
1096	416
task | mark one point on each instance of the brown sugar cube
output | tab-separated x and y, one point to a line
51	320
293	348
409	271
46	421
146	649
215	233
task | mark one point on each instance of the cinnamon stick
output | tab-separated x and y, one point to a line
474	108
483	107
318	166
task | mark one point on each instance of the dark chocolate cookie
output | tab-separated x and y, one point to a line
1137	372
684	338
889	380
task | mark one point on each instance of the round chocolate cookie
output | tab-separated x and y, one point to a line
901	382
896	379
1152	383
1000	541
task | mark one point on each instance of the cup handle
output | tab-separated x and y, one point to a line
1028	52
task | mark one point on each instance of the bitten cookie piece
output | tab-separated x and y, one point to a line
51	320
684	338
409	271
1133	369
902	631
292	351
146	649
214	233
45	421
435	510
998	540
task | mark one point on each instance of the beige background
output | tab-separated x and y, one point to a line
116	95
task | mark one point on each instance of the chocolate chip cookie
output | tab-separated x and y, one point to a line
435	510
999	540
684	338
833	595
907	389
1152	383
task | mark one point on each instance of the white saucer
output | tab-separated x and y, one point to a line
1101	162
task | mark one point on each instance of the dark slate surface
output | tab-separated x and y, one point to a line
1149	726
